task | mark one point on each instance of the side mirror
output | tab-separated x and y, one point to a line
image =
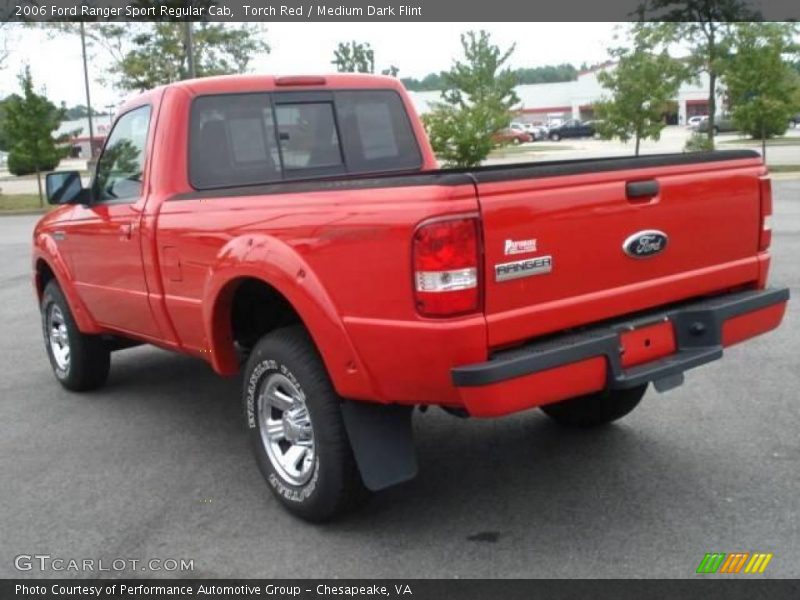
65	187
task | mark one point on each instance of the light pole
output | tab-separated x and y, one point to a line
189	49
86	84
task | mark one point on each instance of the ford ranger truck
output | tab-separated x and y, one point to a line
297	231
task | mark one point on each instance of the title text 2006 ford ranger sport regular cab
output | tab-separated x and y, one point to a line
300	225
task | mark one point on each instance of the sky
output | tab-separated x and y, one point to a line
300	48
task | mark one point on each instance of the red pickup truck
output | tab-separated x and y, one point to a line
297	231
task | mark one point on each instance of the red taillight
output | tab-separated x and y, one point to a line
765	230
299	80
446	266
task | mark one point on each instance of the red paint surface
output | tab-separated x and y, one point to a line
342	258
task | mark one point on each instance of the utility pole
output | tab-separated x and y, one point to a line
88	98
190	49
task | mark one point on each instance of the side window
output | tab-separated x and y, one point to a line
121	166
376	131
308	136
232	141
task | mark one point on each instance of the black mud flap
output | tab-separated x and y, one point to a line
380	436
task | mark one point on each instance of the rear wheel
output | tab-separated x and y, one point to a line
296	427
595	409
80	362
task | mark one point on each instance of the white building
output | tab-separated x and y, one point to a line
549	102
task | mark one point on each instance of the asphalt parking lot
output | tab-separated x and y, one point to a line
156	465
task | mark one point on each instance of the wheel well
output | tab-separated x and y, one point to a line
256	309
44	274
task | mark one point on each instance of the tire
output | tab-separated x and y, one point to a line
516	141
80	362
716	130
597	409
554	137
296	428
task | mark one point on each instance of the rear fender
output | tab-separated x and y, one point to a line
275	263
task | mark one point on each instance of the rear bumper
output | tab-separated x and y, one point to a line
572	364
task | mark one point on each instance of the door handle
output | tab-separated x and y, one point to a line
59	235
126	230
642	189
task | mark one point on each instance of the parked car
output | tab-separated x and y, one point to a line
510	135
594	124
694	121
572	128
794	121
721	125
535	131
297	232
539	132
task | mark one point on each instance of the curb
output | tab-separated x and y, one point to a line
23	211
784	175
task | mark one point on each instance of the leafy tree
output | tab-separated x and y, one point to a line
548	74
145	55
79	111
158	54
761	85
5	141
477	102
354	57
703	26
545	74
431	82
30	121
642	86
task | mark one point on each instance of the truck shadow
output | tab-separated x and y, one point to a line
483	481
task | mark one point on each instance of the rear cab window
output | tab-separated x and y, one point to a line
261	138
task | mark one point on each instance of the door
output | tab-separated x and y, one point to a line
105	237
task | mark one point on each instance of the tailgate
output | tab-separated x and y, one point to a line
571	243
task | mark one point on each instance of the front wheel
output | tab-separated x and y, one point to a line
555	137
80	362
296	427
595	409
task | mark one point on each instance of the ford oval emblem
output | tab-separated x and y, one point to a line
644	244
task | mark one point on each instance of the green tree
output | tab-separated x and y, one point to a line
158	53
761	84
545	74
354	57
704	27
5	142
30	121
642	86
477	102
79	111
141	56
431	82
548	74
